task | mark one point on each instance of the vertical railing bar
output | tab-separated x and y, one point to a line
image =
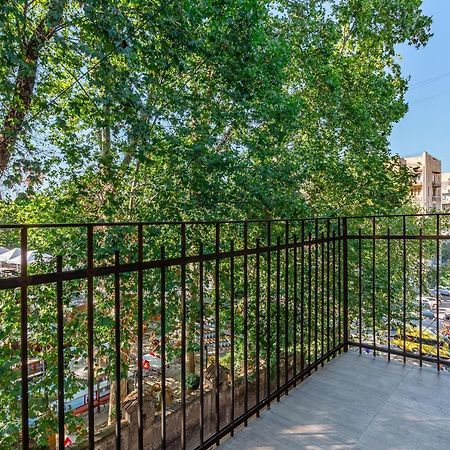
24	336
217	327
140	337
420	294
316	290
232	317
258	244
295	308
438	228
117	360
60	331
246	319
278	316
309	298
202	345
404	288
183	336
90	318
302	298
360	287
322	296
268	307
328	285
389	289
333	251
286	309
342	275
345	284
163	349
374	230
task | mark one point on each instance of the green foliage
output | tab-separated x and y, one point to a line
192	381
212	109
209	108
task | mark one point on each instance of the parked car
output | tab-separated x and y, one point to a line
443	291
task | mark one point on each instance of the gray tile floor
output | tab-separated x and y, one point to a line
357	402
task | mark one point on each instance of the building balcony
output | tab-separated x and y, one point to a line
221	323
356	402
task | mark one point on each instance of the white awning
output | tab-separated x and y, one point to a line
14	256
10	254
31	257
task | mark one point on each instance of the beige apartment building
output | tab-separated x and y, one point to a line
445	191
426	188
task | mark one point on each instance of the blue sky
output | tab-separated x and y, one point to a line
426	126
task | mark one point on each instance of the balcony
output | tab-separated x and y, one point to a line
178	335
356	401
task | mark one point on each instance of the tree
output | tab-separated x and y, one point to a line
189	110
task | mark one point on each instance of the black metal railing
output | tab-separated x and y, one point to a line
398	304
172	334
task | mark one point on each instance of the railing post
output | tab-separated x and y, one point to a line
24	336
345	280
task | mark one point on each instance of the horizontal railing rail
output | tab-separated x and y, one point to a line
213	221
66	275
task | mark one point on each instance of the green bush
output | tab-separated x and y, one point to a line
192	381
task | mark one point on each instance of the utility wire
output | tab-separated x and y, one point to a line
84	74
430	97
427	81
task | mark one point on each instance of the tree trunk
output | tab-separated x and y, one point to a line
105	142
190	355
190	362
25	81
112	398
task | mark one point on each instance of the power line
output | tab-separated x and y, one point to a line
430	97
83	75
427	81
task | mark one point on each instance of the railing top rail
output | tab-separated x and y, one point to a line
212	222
162	222
387	216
